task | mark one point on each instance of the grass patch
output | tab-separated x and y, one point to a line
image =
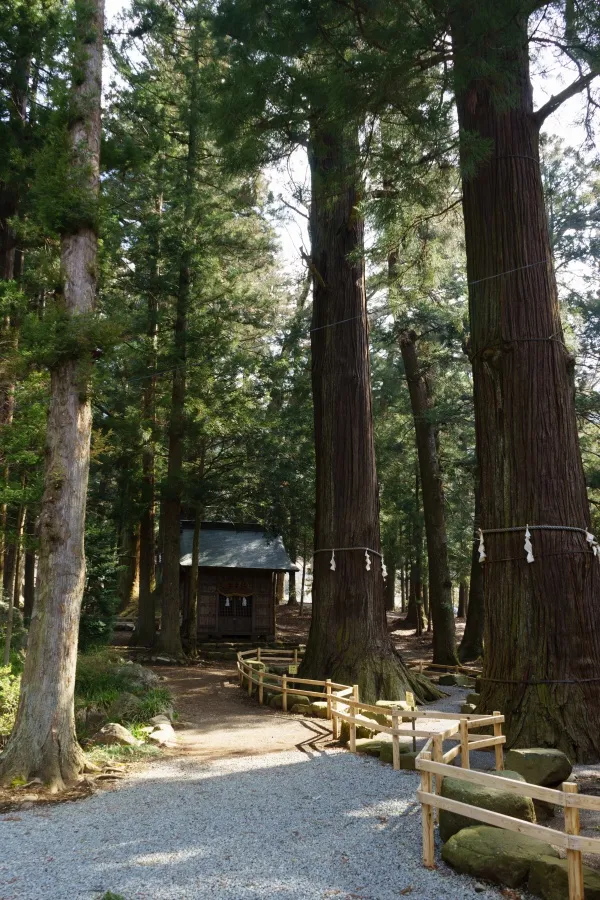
106	756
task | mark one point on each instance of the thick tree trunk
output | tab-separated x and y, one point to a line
542	632
348	639
471	646
43	742
170	636
463	593
434	512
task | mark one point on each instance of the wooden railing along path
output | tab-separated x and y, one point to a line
434	763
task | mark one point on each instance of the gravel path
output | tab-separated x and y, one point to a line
291	825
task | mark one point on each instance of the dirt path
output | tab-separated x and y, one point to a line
222	721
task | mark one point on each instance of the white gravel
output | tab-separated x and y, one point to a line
292	826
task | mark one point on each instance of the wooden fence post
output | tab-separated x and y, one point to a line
464	744
335	727
250	677
574	864
395	739
353	723
284	685
328	689
498	749
427	819
296	656
258	654
438	756
240	672
260	686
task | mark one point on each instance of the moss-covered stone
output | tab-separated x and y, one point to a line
361	732
449	678
318	710
292	699
494	854
468	708
548	879
407	760
473	698
386	754
484	798
301	709
370	746
540	765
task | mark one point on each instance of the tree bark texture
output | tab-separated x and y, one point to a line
43	742
542	631
434	509
348	638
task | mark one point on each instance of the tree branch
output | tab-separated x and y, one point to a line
571	90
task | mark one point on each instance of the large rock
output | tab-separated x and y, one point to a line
318	709
124	708
472	698
139	674
384	717
540	765
370	746
113	733
548	879
468	708
496	855
386	754
407	760
163	735
361	732
292	699
497	800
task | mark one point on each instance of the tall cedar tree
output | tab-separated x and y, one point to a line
542	635
43	743
285	87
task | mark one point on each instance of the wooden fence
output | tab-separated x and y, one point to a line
434	761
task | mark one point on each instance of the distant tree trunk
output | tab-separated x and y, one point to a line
427	607
170	637
401	576
348	639
542	622
471	646
434	506
292	598
463	593
145	629
279	587
43	741
191	622
129	560
304	552
390	588
14	589
9	564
